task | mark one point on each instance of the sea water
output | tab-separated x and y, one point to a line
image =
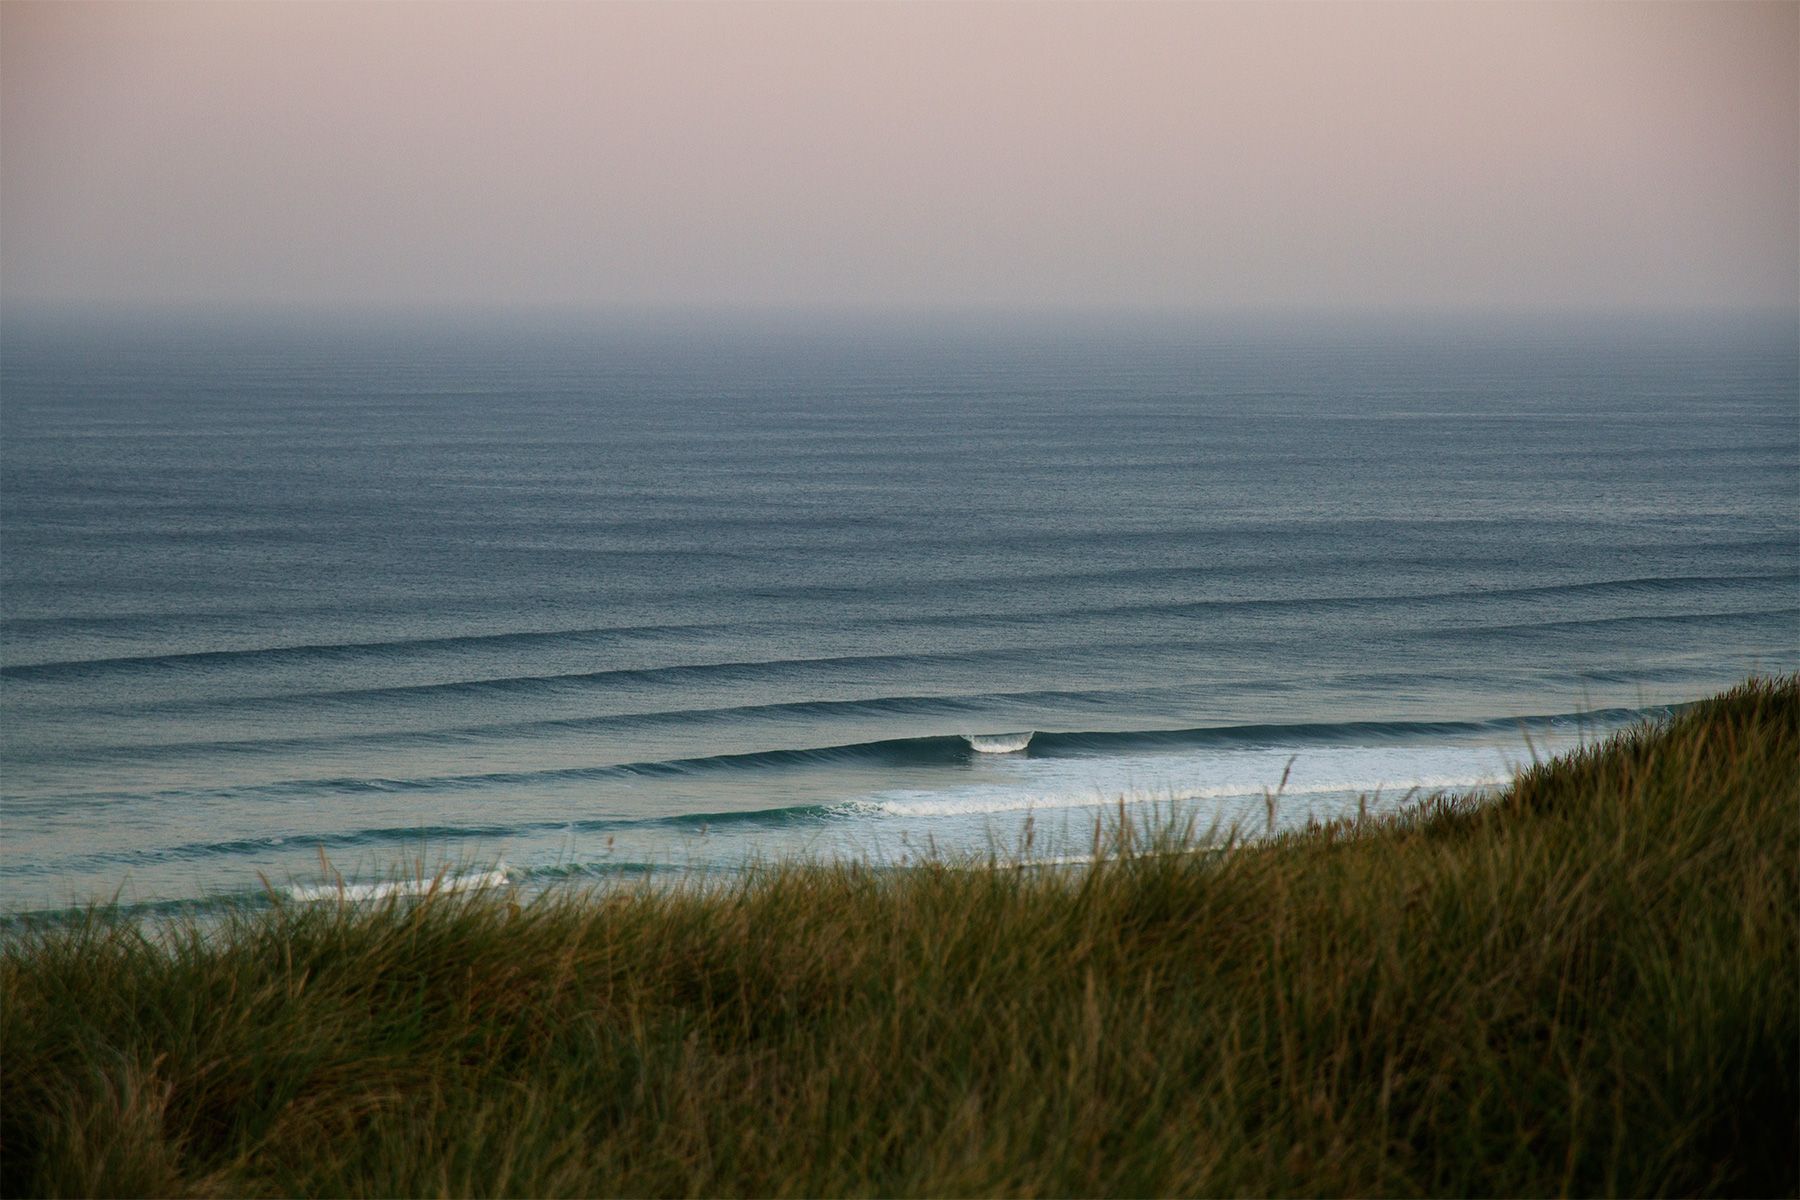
606	597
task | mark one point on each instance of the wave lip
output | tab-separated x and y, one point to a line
998	743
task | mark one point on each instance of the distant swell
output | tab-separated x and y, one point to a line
599	636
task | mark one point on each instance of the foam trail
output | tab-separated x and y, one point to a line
357	893
922	806
1048	861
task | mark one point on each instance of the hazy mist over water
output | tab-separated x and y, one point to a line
1194	156
620	598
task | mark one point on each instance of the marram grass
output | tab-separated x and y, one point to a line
1588	985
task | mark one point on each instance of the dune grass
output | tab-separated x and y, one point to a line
1586	985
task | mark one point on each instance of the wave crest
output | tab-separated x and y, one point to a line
998	743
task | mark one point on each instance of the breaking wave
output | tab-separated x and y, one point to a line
997	743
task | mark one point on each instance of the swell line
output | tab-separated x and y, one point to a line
898	590
812	669
937	751
423	835
354	651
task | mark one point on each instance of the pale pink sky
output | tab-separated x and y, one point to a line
1029	154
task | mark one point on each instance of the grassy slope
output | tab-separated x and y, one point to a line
1588	986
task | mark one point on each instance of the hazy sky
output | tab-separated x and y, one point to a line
1189	155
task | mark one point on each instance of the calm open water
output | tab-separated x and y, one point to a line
625	597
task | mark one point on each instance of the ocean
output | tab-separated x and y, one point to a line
611	598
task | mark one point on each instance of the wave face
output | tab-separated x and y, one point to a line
620	602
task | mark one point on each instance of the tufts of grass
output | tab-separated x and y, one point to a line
1588	984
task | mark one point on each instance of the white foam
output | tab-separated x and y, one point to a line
998	743
940	805
1033	861
1316	779
357	893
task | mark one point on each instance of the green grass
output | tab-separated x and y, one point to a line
1586	985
